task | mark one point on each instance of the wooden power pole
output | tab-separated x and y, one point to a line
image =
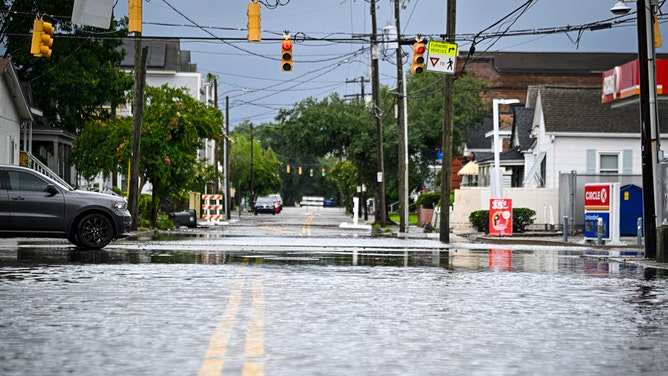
448	116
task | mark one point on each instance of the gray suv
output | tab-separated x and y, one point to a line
33	205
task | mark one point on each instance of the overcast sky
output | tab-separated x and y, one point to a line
250	74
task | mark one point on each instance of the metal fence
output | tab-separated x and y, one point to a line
571	194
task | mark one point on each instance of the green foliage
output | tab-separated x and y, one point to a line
266	166
479	220
522	217
428	200
173	126
83	71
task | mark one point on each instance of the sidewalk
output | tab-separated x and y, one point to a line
530	237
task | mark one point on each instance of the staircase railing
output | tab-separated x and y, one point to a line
38	166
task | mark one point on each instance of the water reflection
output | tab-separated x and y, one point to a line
494	260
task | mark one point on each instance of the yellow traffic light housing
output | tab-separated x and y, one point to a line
418	57
41	39
253	24
286	55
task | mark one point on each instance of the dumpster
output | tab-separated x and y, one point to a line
186	218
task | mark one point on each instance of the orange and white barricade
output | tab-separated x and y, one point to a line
210	210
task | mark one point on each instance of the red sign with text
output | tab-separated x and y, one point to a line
597	197
624	81
500	217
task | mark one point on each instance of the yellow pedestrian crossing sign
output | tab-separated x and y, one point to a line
441	57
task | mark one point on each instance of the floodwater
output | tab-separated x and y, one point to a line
456	312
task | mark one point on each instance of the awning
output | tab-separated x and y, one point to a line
470	168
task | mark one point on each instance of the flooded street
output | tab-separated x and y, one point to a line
139	308
584	316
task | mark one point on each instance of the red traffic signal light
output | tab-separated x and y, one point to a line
418	58
286	55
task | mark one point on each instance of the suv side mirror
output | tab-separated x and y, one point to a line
51	189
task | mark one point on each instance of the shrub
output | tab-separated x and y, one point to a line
522	217
428	200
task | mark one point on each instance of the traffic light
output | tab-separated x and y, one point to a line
134	16
253	14
288	170
41	39
286	55
418	57
323	172
300	170
310	172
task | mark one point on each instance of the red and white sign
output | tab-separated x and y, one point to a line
500	217
597	197
624	81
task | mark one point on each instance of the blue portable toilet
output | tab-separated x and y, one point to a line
630	209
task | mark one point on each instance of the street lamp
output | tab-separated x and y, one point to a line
497	191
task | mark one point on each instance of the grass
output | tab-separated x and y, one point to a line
394	217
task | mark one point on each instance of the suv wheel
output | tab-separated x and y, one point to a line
72	237
94	231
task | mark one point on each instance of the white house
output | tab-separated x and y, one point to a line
14	113
573	139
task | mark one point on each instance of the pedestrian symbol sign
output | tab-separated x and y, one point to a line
441	57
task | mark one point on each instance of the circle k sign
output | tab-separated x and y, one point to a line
597	197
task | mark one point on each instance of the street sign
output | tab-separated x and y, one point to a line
441	57
500	217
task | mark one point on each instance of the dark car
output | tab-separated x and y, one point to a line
328	202
265	205
34	205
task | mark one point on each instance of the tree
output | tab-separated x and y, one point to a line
425	116
82	76
266	166
333	128
174	125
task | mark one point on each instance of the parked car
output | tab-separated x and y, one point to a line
278	199
328	202
265	204
33	205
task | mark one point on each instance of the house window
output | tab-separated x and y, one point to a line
608	164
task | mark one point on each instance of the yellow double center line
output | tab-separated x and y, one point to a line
214	359
306	228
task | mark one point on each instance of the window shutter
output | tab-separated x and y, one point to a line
627	162
591	161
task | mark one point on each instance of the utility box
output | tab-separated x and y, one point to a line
630	209
186	218
602	206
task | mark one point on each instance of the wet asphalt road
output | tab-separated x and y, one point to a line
294	294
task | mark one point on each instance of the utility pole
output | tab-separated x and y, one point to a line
137	114
226	159
215	148
361	81
375	84
402	129
448	121
252	173
648	122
